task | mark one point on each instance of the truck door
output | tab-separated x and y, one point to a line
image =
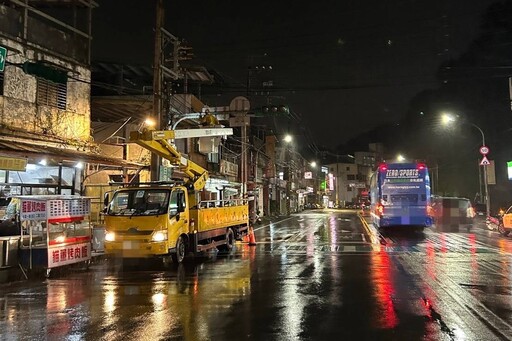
507	218
178	213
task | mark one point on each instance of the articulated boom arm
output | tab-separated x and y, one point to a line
157	142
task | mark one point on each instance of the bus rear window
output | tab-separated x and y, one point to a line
404	198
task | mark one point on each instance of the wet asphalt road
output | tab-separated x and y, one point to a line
318	275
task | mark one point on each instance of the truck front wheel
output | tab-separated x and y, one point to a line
179	255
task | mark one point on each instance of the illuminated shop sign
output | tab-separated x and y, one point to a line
13	163
331	181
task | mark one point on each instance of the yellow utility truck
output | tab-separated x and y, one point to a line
162	219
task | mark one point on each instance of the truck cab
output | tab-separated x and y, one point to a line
146	221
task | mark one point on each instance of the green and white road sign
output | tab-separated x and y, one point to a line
3	57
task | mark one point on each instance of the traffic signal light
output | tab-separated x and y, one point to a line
275	109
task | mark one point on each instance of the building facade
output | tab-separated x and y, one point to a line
44	101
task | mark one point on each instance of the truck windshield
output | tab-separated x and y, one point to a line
139	202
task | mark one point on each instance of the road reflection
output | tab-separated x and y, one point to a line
383	290
181	301
308	281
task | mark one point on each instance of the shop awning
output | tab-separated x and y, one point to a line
36	150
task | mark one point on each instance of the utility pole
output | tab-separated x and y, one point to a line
337	182
245	142
157	84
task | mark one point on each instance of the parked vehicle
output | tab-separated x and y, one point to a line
168	219
480	214
493	223
480	210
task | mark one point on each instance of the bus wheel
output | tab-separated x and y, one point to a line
179	255
230	242
502	230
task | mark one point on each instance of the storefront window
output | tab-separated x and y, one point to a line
37	180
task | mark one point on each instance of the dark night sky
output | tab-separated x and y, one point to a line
344	66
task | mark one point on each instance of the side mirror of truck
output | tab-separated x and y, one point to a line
106	201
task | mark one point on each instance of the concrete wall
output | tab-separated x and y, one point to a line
18	107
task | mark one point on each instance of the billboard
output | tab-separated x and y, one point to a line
491	173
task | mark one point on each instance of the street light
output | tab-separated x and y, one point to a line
447	119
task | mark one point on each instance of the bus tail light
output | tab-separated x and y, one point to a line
421	166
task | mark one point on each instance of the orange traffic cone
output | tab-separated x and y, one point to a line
252	239
246	238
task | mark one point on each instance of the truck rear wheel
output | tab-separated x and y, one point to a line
181	249
230	242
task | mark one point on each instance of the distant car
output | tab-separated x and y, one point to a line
480	210
480	213
311	206
453	211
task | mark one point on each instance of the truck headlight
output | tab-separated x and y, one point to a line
110	236
159	236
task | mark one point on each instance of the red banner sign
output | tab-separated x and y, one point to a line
68	254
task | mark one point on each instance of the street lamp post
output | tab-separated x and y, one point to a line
447	119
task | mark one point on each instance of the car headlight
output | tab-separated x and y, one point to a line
110	236
159	236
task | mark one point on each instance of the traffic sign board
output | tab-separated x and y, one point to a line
485	161
484	150
3	57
